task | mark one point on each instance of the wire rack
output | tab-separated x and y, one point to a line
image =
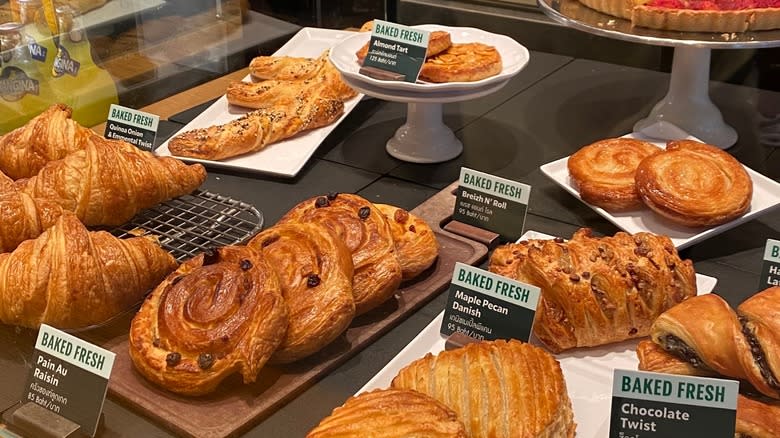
193	223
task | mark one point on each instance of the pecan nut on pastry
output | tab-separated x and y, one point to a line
603	172
366	233
498	388
221	312
314	267
390	413
415	244
694	184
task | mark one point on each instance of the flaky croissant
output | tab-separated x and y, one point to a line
49	136
598	290
6	183
69	277
23	217
109	181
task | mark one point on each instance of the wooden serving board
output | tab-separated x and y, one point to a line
235	407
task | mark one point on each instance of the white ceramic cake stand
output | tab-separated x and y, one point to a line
424	138
687	107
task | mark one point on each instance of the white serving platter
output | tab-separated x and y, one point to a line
513	58
766	197
587	371
287	157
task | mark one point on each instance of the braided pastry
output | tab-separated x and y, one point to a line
415	245
221	312
366	233
708	337
314	268
597	290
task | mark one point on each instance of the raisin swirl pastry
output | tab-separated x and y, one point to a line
415	244
604	172
366	233
390	413
704	335
314	268
221	312
597	291
694	184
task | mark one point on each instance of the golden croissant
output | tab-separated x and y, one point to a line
69	277
703	335
23	217
109	181
49	136
6	183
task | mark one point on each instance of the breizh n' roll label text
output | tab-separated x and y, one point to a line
135	127
483	305
491	203
69	377
396	48
659	405
770	270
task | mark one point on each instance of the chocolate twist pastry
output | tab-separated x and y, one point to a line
704	335
366	233
604	172
694	184
390	413
314	268
415	244
597	291
221	312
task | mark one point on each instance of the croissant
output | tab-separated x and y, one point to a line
49	136
6	183
23	217
597	290
707	334
390	413
500	389
220	312
364	229
69	277
109	181
415	244
314	267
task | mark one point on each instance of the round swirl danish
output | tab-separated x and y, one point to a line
390	413
604	172
220	312
694	184
462	63
366	233
314	268
415	244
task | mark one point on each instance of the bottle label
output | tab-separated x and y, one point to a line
37	51
15	84
63	64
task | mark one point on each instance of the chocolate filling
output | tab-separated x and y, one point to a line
758	355
676	346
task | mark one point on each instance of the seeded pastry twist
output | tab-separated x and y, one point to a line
704	335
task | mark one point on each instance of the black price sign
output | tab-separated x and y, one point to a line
483	305
770	271
396	49
491	203
135	127
69	377
654	405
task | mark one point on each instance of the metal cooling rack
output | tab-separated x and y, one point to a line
190	224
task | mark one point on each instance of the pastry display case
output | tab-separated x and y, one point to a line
287	246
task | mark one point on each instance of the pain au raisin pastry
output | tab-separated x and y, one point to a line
462	63
694	184
366	233
604	172
499	389
390	413
221	312
596	291
711	338
314	268
415	244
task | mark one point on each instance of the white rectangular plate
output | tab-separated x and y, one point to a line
766	196
588	371
286	157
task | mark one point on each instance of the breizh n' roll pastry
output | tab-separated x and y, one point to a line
703	335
